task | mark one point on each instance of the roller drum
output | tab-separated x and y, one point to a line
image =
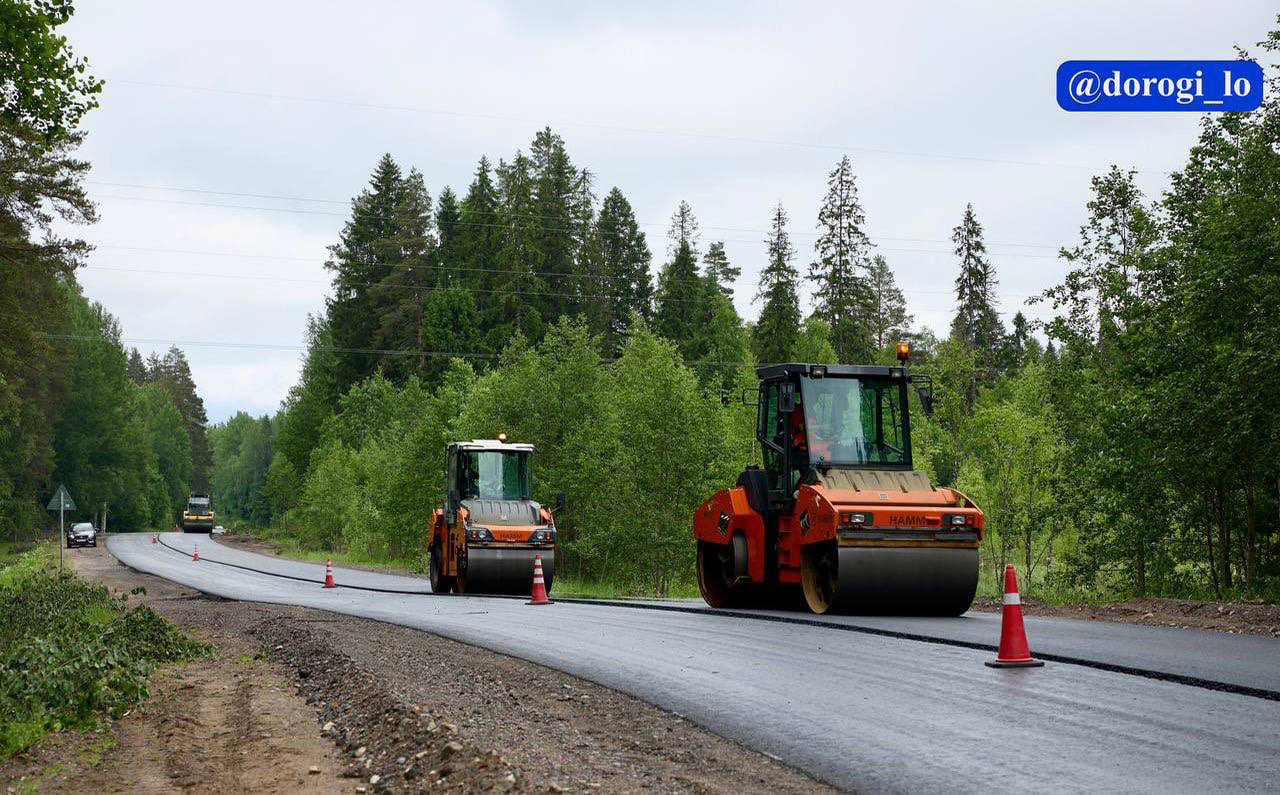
506	571
892	580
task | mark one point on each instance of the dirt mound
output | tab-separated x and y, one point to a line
1237	616
393	746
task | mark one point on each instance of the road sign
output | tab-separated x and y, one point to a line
62	500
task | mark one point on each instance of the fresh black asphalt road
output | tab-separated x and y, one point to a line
861	711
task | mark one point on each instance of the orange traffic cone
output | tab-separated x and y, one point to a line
1014	652
539	596
195	552
328	574
155	537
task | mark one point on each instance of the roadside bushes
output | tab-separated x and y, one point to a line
635	444
71	652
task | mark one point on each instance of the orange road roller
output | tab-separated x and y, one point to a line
838	514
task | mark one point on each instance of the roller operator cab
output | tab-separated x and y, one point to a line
485	536
837	512
197	516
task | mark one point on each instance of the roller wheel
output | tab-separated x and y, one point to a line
439	582
716	575
820	575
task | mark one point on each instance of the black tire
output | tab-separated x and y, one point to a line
716	575
439	582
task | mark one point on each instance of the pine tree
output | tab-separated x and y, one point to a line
976	325
889	319
778	326
367	251
621	271
684	230
840	270
717	268
681	307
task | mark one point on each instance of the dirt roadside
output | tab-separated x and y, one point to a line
1236	617
374	708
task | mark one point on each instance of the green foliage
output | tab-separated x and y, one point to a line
839	272
631	517
44	85
71	653
775	333
242	453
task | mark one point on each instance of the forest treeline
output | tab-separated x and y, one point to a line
125	436
1137	452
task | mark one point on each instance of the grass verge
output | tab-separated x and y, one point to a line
71	653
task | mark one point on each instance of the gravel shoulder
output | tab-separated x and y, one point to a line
374	708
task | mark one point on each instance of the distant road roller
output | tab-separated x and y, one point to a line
485	536
838	512
197	516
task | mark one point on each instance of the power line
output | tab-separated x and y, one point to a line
614	128
425	288
527	216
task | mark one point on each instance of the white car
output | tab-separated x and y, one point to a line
218	530
82	534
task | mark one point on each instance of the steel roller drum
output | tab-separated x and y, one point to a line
506	571
905	580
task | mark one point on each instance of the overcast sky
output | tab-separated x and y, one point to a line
731	106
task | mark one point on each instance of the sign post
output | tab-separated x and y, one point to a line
62	503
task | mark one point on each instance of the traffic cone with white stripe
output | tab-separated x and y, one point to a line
1014	652
155	538
195	552
328	575
539	596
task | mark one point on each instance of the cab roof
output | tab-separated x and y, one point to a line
772	371
494	445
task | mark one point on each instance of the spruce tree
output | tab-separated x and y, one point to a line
398	299
174	374
717	268
367	252
136	368
621	271
889	319
976	325
681	307
449	238
778	326
480	230
517	288
552	213
840	270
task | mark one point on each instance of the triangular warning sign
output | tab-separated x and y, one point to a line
62	500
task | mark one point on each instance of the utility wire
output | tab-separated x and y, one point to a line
484	225
433	287
613	128
533	216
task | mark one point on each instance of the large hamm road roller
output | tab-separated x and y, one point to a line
838	511
485	536
197	516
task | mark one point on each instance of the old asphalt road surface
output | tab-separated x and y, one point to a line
860	710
